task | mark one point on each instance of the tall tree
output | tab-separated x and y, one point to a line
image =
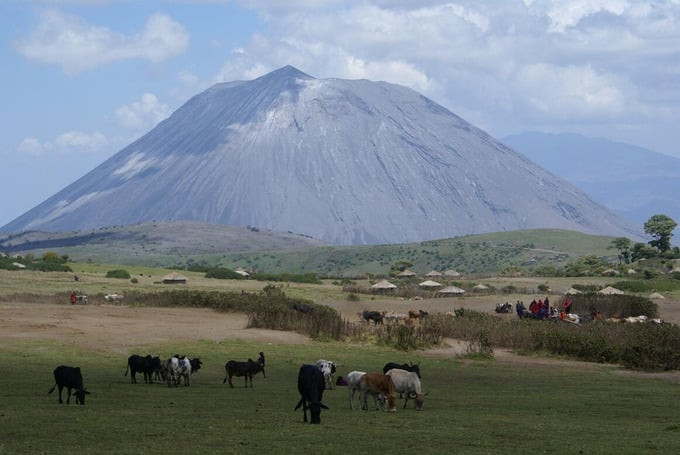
660	227
623	245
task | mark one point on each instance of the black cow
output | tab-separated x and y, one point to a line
145	365
260	360
311	386
403	366
195	364
375	316
71	378
238	369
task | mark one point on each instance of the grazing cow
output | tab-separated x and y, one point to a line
71	378
145	365
328	369
414	367
238	369
375	316
377	384
353	385
408	383
178	367
311	386
115	298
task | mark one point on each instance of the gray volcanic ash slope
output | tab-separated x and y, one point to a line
348	162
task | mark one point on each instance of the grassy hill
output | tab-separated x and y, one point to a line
181	244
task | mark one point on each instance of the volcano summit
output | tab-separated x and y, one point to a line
344	161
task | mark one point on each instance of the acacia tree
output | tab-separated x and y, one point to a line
623	245
660	227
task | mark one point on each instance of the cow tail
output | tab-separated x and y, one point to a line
52	389
126	369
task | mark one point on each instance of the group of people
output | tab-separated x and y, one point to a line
541	309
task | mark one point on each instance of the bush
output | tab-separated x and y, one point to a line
134	280
118	273
223	273
352	297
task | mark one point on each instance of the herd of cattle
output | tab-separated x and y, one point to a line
380	317
313	379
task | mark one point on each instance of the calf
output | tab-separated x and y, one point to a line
407	382
311	386
377	384
145	365
328	369
238	369
71	378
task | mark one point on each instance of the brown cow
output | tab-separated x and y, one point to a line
377	384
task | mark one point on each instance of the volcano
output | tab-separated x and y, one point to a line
343	161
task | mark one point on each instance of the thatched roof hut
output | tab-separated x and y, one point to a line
572	291
434	274
610	272
451	290
480	287
610	291
174	278
429	284
656	295
383	285
242	272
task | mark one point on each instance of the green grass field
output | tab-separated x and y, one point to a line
472	406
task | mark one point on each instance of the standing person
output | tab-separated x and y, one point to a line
73	297
520	309
566	305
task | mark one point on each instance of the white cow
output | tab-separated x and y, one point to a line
328	369
115	298
178	368
408	383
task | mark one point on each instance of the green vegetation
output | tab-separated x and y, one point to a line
660	227
50	262
222	273
118	273
610	413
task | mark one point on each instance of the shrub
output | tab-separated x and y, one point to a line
222	273
352	297
613	306
118	273
134	280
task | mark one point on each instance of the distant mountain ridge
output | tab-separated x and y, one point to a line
632	181
347	162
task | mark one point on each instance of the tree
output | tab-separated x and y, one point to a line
642	251
623	245
660	227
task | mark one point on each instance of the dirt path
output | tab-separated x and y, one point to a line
119	328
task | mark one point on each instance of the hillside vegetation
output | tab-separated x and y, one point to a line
182	245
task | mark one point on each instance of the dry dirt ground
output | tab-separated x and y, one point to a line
119	328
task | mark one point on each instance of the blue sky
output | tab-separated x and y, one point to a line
81	79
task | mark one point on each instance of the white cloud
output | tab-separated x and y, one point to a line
70	142
514	63
75	45
143	114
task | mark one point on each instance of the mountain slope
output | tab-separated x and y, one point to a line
347	162
632	181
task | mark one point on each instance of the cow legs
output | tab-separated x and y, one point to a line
68	397
230	384
60	400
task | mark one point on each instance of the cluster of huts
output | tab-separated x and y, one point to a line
429	284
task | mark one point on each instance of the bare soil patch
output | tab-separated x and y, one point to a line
120	328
